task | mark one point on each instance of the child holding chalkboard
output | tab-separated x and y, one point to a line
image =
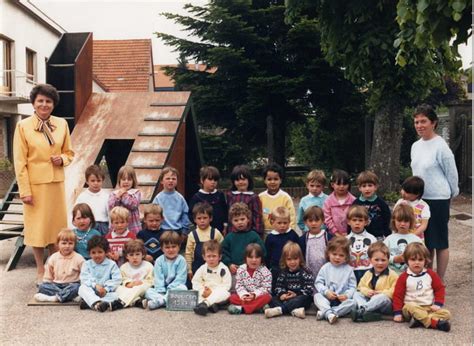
212	280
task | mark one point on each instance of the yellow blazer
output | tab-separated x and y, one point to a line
385	283
32	153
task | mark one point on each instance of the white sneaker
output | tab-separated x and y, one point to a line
332	318
300	313
273	312
319	315
77	299
40	297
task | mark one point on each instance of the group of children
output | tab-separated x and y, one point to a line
347	260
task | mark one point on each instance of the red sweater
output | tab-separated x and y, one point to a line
425	288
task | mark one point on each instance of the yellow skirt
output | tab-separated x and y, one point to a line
47	216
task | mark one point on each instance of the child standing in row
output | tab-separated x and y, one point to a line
315	183
151	233
253	283
61	272
128	196
273	197
209	194
337	204
378	210
294	286
96	198
119	234
403	221
313	243
84	222
169	271
212	280
241	192
335	283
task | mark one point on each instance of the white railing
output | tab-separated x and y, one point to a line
14	83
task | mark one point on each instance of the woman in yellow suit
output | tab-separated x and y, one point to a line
41	149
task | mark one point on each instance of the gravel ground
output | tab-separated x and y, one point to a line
21	324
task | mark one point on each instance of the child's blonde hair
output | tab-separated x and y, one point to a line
67	235
238	209
367	177
166	170
134	245
291	250
358	211
127	172
378	246
154	209
403	212
416	250
170	238
119	213
338	243
280	213
316	176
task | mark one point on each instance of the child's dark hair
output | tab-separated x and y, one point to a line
273	167
403	212
341	177
254	249
414	185
416	250
241	172
170	238
211	246
85	211
209	172
238	209
128	172
313	213
378	246
94	170
202	208
98	241
367	177
291	250
337	243
134	245
357	212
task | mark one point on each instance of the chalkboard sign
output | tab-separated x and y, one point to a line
182	300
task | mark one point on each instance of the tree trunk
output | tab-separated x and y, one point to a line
276	139
386	143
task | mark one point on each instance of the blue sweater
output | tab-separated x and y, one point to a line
339	279
218	203
175	211
274	245
308	201
107	274
169	274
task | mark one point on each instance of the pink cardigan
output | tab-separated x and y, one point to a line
335	214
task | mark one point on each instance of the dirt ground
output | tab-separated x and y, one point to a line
21	324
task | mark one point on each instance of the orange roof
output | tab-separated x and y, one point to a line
164	81
122	65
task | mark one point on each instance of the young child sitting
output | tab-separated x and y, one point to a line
335	283
337	204
119	235
253	283
403	221
294	286
234	244
137	277
273	197
209	194
202	216
151	233
315	183
375	289
419	293
360	240
61	272
169	271
276	240
84	222
241	191
313	242
175	208
100	277
128	196
378	210
412	190
96	198
212	280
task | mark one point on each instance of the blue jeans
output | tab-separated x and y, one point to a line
378	303
326	306
65	292
288	306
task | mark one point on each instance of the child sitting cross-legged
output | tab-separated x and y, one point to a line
335	283
61	272
100	277
119	234
137	277
375	289
294	286
212	280
419	292
253	283
169	271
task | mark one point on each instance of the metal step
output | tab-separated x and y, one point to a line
11	212
157	134
11	222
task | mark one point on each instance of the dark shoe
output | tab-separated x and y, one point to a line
369	316
414	323
83	305
141	303
356	314
443	325
214	308
101	306
201	309
116	305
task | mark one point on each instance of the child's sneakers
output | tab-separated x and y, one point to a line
360	315
273	312
300	313
319	315
156	303
443	325
41	297
414	323
117	305
77	299
101	306
141	303
234	309
83	305
201	309
214	308
332	318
